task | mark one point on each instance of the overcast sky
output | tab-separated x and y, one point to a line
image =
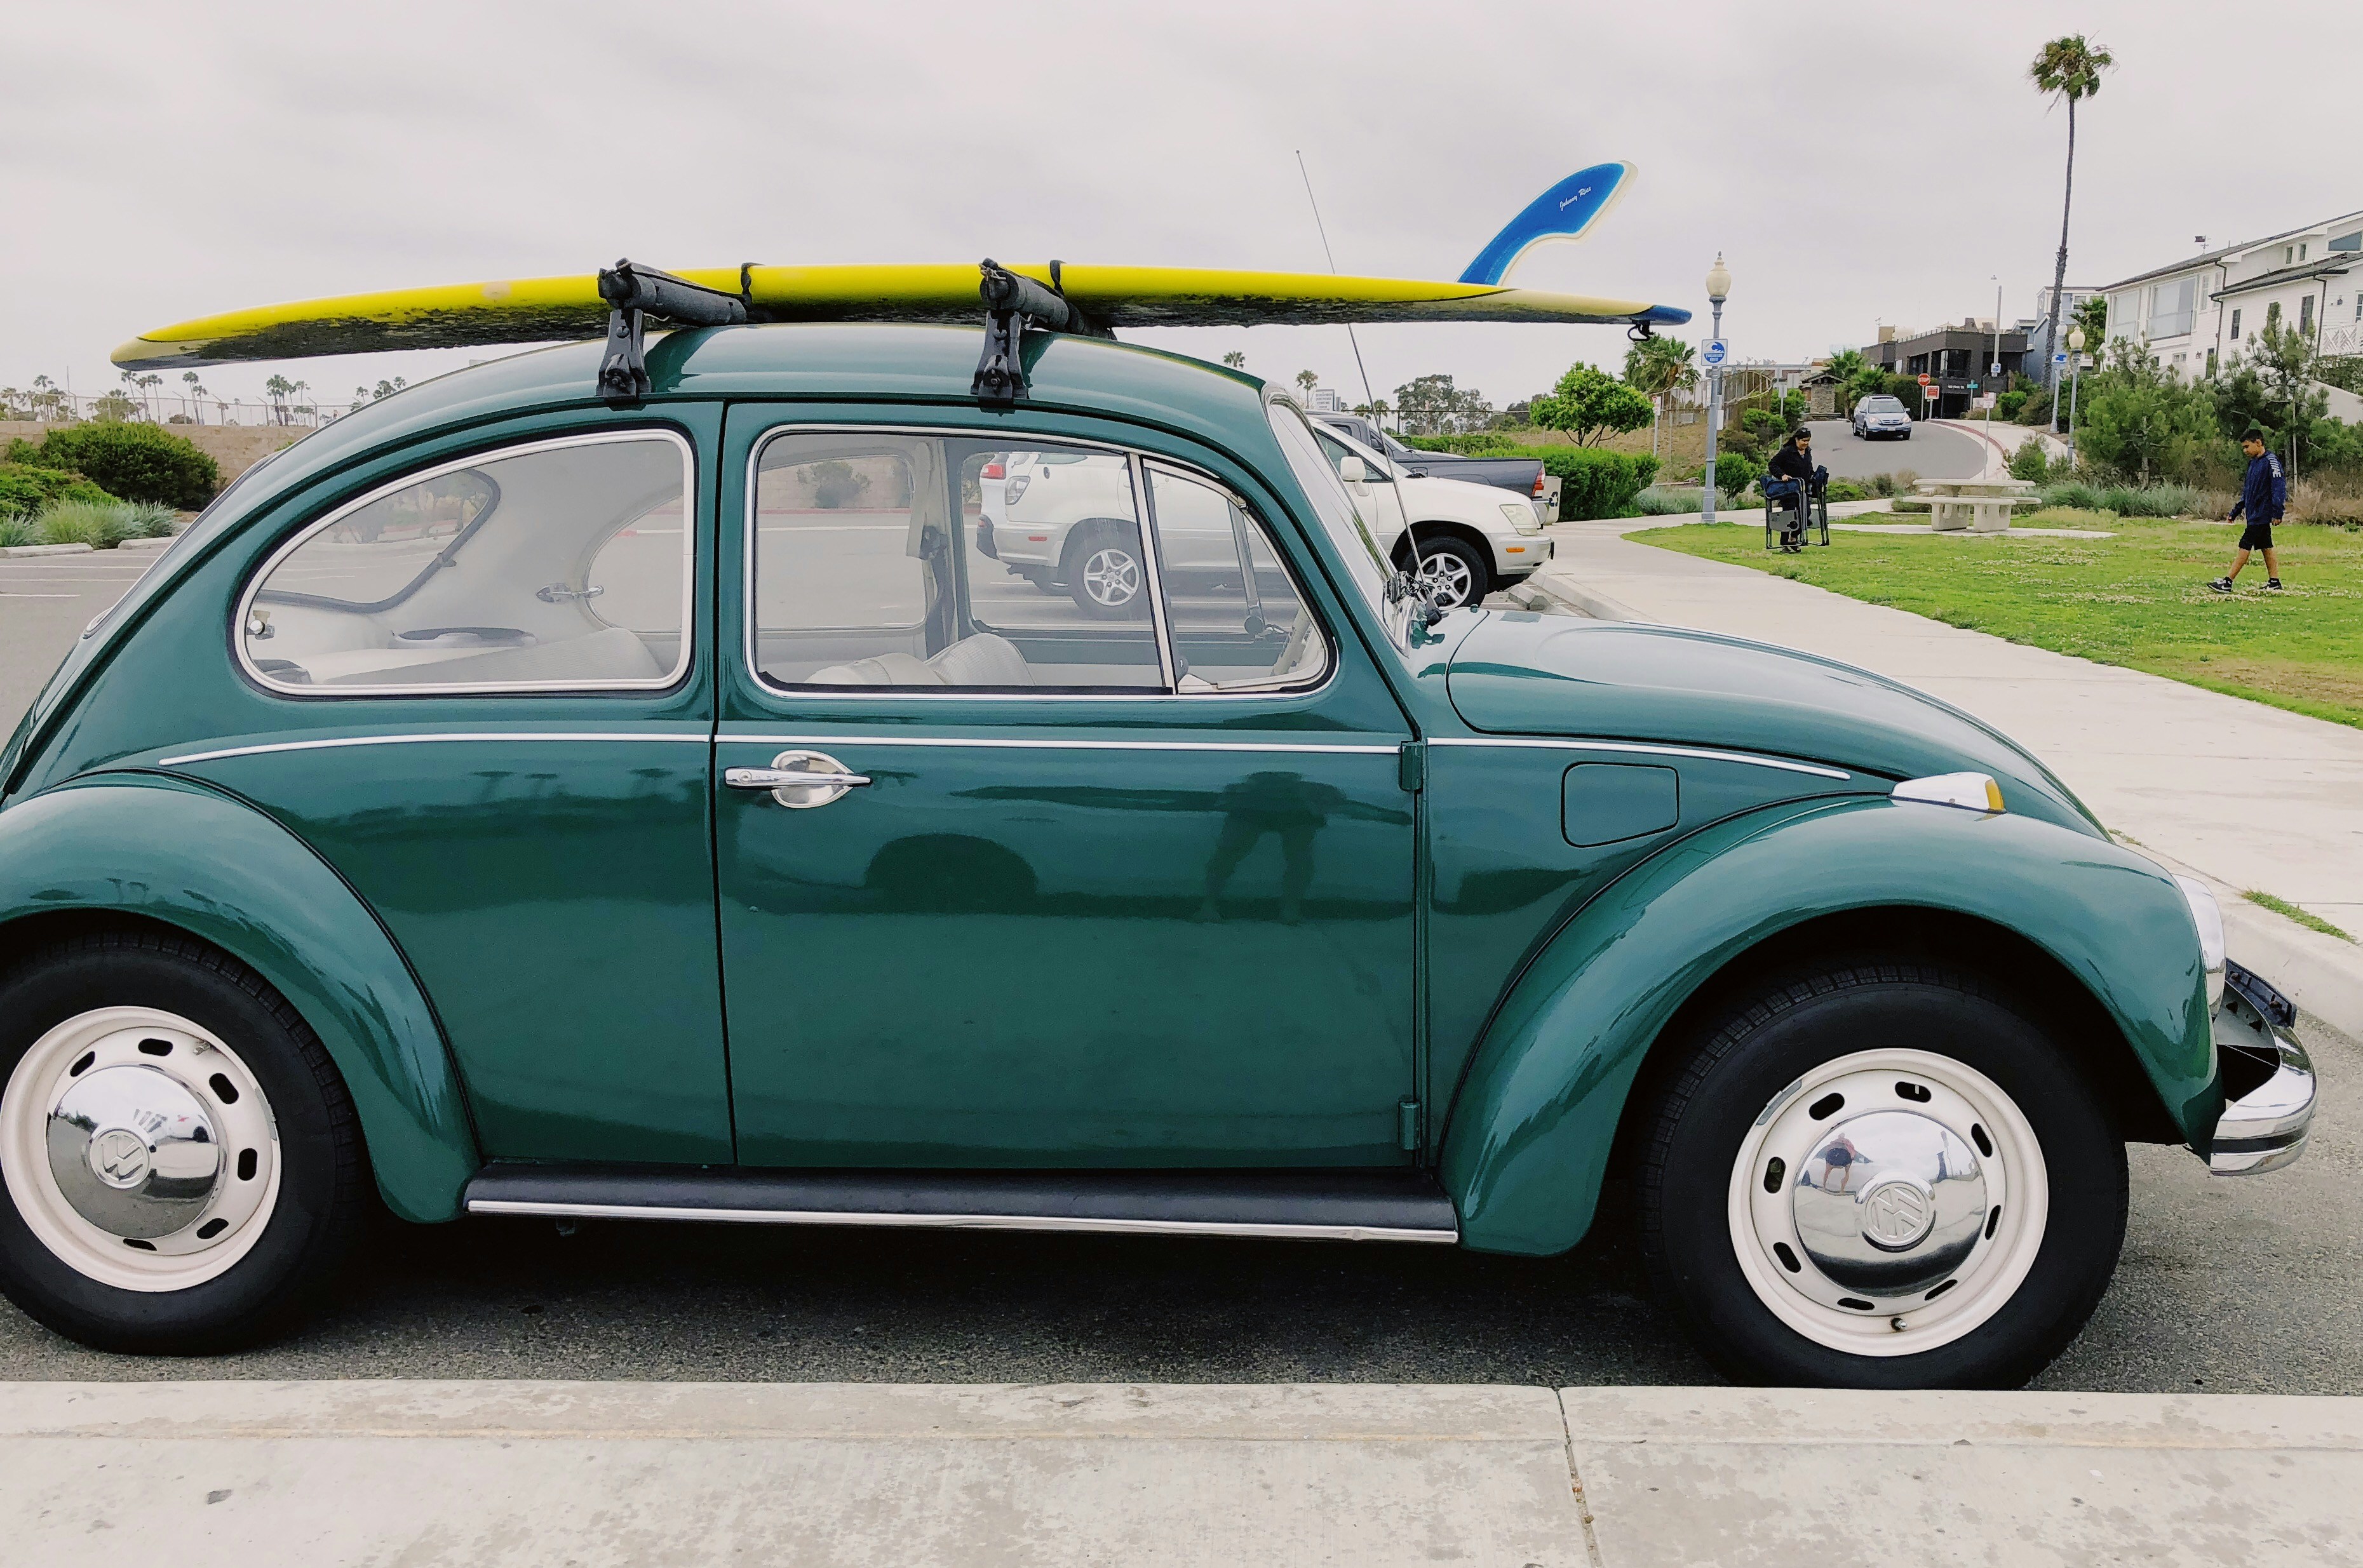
1856	161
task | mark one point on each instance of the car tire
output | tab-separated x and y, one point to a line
1462	574
1105	577
115	1232
1961	1229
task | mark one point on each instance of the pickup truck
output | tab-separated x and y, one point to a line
1523	475
532	796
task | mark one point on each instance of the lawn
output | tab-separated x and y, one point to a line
2138	600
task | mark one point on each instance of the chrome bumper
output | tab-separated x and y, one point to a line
2264	1129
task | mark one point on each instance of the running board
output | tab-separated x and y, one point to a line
1310	1205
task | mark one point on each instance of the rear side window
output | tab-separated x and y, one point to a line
558	566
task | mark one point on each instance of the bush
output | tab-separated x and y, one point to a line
2157	500
2031	461
137	462
1656	502
1732	472
14	531
1592	482
101	525
1847	490
25	489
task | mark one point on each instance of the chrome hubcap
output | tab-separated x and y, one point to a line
139	1148
1887	1202
134	1152
1111	577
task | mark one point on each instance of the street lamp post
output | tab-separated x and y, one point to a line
1994	367
1718	289
2075	373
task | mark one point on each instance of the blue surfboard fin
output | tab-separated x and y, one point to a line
1564	212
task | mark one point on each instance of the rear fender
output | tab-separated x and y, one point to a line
1534	1125
176	851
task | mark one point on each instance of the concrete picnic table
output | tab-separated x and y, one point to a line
1981	506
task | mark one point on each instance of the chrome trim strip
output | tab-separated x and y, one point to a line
965	1222
829	696
1152	553
422	739
1702	755
688	575
889	739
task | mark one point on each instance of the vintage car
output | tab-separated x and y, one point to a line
516	800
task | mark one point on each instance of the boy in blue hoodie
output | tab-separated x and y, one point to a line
2263	495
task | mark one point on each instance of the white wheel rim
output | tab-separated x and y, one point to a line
1112	577
1930	1294
197	1072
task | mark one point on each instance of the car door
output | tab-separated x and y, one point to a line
483	699
1069	890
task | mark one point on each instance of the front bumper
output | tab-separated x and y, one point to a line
1533	551
2268	1079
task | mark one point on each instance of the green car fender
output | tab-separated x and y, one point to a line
177	851
1534	1125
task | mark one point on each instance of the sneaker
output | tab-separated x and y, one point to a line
2222	585
2272	585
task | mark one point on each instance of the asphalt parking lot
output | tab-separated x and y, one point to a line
2225	1287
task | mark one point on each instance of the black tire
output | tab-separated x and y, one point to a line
1767	1042
323	1193
1442	554
1102	560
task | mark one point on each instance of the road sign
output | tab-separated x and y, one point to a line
1924	380
1928	390
1715	353
2060	358
1994	368
1973	387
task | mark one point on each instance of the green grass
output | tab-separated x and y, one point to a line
2283	906
2139	600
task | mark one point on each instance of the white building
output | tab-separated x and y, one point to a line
1326	401
2203	311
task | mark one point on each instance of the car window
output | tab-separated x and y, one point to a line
943	563
1331	505
1238	618
562	564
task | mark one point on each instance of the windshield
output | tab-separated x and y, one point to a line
1330	502
1882	405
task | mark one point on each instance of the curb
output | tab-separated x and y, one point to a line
148	547
9	552
1563	592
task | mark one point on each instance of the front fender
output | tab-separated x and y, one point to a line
175	851
1532	1129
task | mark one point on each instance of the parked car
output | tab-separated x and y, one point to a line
1523	475
1470	541
1881	417
336	858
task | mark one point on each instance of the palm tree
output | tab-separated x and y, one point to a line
1237	358
276	388
2069	68
1658	368
196	394
1308	380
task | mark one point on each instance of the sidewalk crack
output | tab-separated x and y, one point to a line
1575	1484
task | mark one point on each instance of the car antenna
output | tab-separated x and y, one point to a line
1411	534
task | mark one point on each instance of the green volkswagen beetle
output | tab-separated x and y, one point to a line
516	800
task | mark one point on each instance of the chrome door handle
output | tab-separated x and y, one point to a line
798	779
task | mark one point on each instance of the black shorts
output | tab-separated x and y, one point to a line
2257	536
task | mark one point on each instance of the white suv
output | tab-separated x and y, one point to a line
1473	539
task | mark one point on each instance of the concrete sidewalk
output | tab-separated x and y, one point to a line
240	1475
2241	794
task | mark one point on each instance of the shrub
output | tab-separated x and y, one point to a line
137	462
1847	490
2031	461
1656	502
1592	482
25	489
101	525
1733	471
2073	493
1484	444
16	530
2155	500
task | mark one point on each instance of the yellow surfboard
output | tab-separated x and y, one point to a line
541	310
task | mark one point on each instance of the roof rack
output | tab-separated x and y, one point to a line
634	294
1010	303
